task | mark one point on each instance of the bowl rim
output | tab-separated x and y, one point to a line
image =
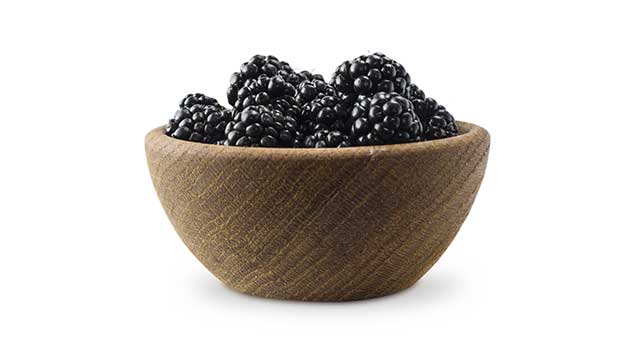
469	133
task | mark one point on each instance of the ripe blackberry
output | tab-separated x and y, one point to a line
369	74
273	92
326	139
264	91
257	66
385	118
325	113
436	121
260	126
425	108
440	125
199	99
414	92
199	119
313	89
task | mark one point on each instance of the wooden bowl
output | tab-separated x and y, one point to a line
318	224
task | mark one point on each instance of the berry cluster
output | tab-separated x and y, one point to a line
369	100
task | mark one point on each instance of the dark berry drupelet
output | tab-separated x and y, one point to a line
199	119
436	121
369	74
326	139
260	126
257	66
309	90
325	113
385	118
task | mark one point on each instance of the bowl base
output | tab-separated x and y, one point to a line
358	296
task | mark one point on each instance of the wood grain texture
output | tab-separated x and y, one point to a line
318	224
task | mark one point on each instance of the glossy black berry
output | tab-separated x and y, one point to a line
414	92
325	113
199	119
261	126
257	66
440	125
369	74
384	118
199	99
436	121
265	91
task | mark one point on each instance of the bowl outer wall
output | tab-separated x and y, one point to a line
318	224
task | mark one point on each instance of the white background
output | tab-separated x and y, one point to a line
550	251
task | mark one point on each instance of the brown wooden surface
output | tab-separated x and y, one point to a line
318	224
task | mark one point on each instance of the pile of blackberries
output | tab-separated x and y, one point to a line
369	100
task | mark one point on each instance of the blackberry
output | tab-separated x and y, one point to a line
385	118
261	126
369	74
423	106
326	139
436	121
414	92
199	119
325	113
440	125
313	89
199	99
265	91
257	66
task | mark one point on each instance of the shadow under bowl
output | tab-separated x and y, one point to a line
318	224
